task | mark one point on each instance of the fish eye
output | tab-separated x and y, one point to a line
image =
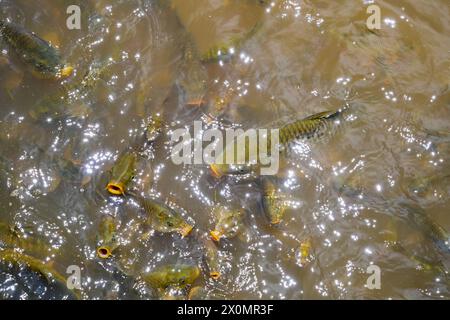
169	224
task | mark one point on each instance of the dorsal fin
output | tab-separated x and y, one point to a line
324	115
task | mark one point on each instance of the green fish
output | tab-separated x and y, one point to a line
311	127
430	228
229	223
154	127
61	103
37	53
12	238
107	237
163	218
10	256
212	259
178	275
423	264
274	205
193	77
122	173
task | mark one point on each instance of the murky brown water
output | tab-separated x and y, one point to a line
375	186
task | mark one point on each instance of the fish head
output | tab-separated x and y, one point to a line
116	188
174	223
122	173
104	251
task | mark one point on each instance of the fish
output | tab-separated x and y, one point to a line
427	225
422	263
13	257
308	128
274	205
303	253
122	173
426	185
193	78
229	223
62	102
162	218
224	37
212	259
11	237
172	275
107	237
44	59
154	127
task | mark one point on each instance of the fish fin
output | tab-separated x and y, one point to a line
324	115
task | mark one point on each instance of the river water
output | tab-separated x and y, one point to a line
369	194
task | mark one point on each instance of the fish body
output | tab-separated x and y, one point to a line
274	204
57	105
178	275
193	78
308	128
13	239
229	223
212	259
107	237
154	128
13	257
37	53
162	218
304	253
122	173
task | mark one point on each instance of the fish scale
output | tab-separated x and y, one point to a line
34	51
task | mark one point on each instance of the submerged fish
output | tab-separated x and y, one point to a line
273	203
10	256
229	223
422	263
154	127
12	238
107	237
64	101
37	53
122	173
193	78
311	127
212	259
303	253
179	276
162	218
426	185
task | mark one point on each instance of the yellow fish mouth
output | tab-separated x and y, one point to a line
104	252
186	230
66	71
215	171
215	235
116	188
215	275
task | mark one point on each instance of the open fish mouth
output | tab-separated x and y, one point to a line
104	252
215	275
216	235
116	188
